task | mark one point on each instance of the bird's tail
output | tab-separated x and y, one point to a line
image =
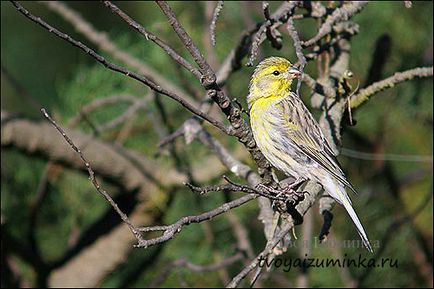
337	191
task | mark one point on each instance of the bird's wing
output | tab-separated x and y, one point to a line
306	135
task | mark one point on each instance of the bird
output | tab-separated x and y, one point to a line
289	136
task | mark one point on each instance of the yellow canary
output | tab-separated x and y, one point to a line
289	136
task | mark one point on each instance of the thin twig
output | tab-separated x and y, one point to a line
188	42
216	14
136	104
364	94
232	63
240	128
169	231
255	262
273	35
257	40
94	181
233	187
298	49
104	43
268	29
122	70
340	14
150	36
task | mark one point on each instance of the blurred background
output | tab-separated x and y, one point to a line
57	230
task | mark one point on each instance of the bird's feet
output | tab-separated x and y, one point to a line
289	192
293	196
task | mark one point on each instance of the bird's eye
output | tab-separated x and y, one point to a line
276	72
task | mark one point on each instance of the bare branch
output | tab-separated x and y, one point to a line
243	171
298	50
268	29
103	42
257	40
94	181
216	14
232	63
255	262
364	94
234	188
208	74
136	104
273	35
319	88
241	129
340	14
150	36
169	231
122	70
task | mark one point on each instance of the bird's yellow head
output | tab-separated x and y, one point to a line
271	80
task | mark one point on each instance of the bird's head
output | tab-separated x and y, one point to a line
272	78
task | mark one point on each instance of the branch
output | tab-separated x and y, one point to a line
340	14
255	262
364	94
169	231
149	36
122	70
269	28
298	49
135	104
241	170
188	43
216	14
240	128
233	61
231	64
319	88
94	258
92	177
271	32
101	40
234	188
36	138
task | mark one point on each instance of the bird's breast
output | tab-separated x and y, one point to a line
269	131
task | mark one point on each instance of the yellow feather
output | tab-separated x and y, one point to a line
289	136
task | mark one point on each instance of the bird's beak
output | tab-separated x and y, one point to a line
293	72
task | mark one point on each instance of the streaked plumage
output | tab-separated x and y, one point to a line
290	138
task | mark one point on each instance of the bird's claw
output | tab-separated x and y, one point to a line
294	197
290	192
